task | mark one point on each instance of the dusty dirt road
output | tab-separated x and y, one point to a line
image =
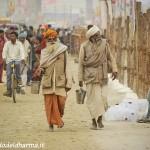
25	122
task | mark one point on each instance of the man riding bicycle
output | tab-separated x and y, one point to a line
13	52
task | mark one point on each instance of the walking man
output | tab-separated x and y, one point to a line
94	60
56	79
24	66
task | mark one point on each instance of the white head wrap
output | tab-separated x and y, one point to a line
92	31
22	35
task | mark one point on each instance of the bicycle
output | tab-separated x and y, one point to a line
14	83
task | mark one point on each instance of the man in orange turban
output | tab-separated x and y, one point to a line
56	80
50	34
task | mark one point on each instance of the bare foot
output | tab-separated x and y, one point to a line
60	126
99	122
51	128
94	125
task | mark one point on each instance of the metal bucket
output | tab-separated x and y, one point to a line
80	96
35	87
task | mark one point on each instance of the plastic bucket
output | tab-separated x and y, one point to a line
35	87
80	96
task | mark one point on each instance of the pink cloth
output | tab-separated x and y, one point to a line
1	72
2	42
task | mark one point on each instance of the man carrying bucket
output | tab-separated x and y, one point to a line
94	57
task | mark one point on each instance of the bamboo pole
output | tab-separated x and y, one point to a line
136	74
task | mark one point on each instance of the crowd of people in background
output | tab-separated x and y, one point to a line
33	41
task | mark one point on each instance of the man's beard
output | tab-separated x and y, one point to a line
51	46
98	39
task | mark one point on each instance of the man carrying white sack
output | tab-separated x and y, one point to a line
95	61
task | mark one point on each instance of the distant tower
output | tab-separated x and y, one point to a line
89	9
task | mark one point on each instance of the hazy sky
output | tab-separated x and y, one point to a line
76	5
145	4
60	5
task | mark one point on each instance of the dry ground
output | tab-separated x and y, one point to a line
25	122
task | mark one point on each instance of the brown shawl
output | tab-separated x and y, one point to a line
98	57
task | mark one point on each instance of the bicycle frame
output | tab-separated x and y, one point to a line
13	72
14	82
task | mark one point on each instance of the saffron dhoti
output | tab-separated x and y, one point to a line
54	106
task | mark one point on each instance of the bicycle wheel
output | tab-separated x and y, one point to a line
13	84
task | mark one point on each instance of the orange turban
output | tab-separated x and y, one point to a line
50	34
